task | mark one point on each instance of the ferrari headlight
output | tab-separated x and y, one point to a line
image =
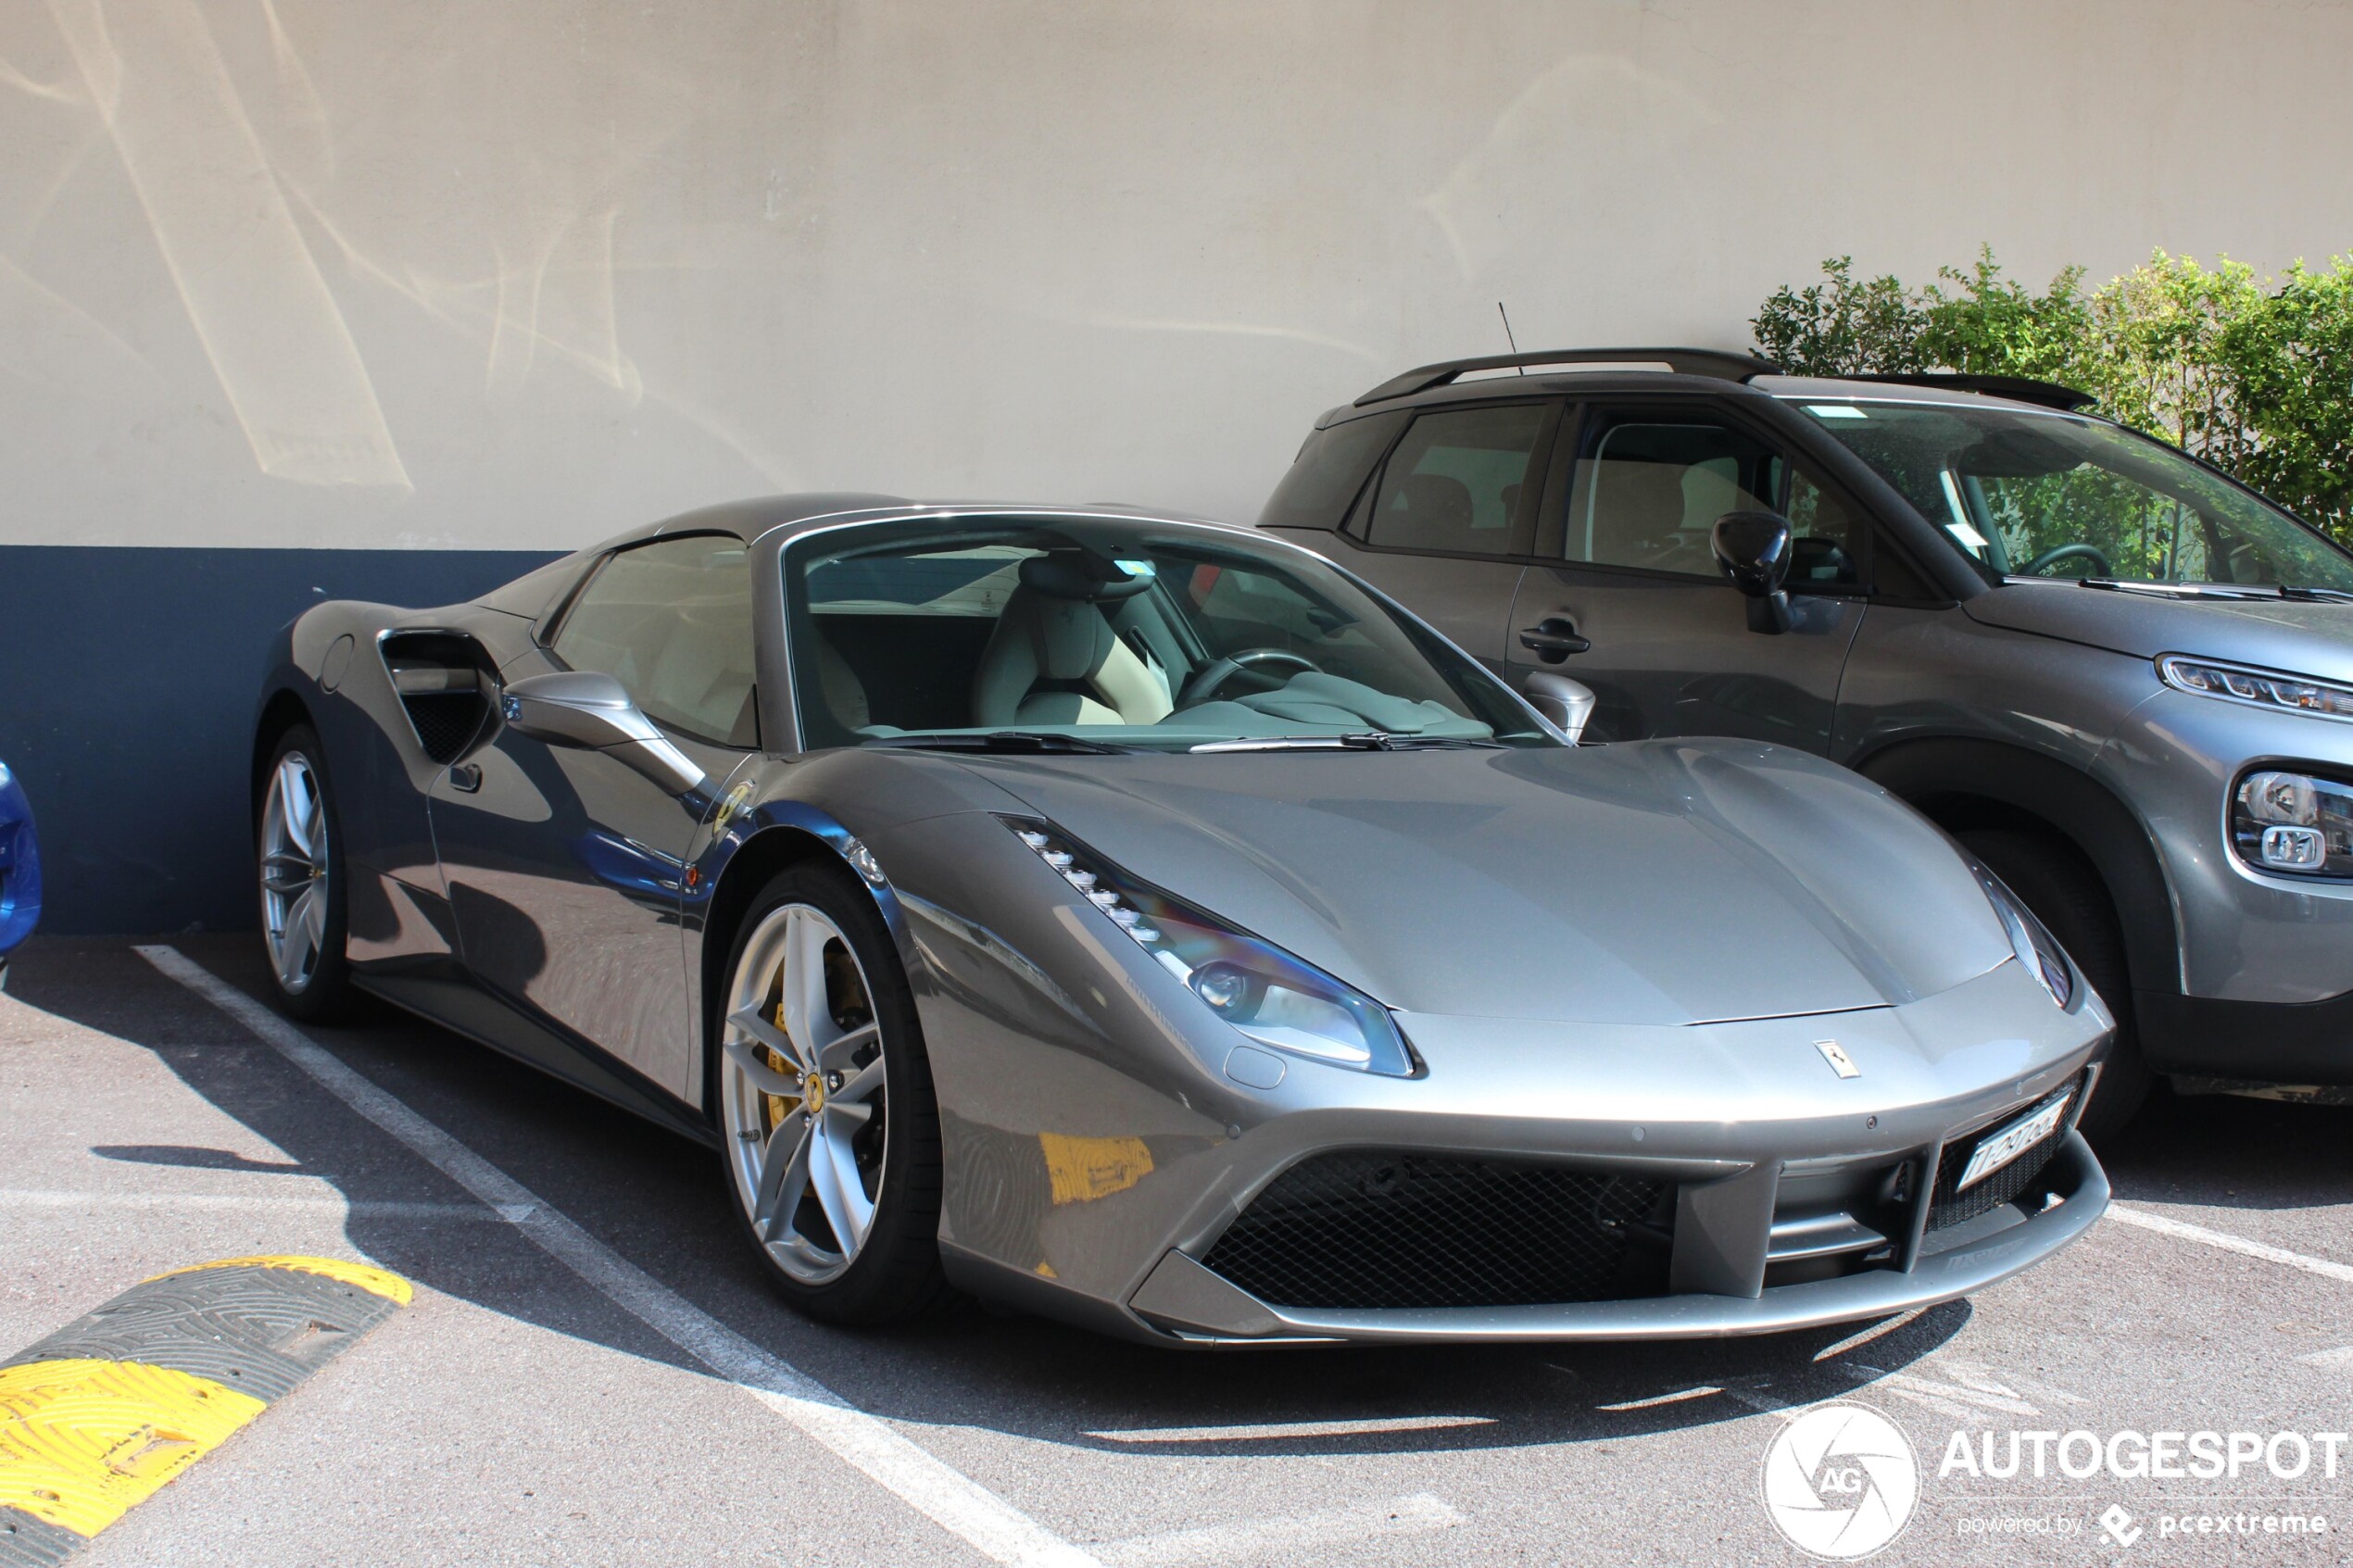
2035	947
2258	688
2296	822
1263	993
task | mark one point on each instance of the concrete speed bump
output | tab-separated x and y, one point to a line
104	1411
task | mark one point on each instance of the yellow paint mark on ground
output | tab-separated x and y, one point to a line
80	1441
1085	1169
391	1287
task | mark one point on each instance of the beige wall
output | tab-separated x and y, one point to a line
510	273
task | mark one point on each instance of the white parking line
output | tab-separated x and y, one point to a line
2340	1357
2181	1229
993	1526
1952	1399
1868	1333
1764	1403
362	1209
1290	1429
1702	1392
1283	1538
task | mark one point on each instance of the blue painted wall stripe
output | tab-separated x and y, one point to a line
127	681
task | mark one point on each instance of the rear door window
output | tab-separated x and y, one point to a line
1458	482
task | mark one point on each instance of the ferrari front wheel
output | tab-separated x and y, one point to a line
830	1130
299	868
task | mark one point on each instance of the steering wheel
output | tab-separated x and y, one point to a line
1217	673
2070	552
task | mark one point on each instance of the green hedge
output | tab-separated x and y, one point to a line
2254	376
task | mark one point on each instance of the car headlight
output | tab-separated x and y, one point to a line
2295	823
2258	688
1261	992
2035	947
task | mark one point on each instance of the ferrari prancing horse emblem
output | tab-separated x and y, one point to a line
1835	1054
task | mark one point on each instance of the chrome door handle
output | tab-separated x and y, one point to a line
1554	639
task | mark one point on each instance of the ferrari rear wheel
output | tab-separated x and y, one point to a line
830	1129
300	874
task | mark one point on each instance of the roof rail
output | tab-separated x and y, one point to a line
2019	389
1682	361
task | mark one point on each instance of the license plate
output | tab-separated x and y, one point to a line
2014	1140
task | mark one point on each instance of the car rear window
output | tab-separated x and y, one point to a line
1329	472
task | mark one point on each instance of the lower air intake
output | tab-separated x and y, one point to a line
1366	1229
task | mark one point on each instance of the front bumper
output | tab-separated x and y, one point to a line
1189	1302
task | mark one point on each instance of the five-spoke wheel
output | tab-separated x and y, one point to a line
824	1102
302	907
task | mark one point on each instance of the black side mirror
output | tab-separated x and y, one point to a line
1754	550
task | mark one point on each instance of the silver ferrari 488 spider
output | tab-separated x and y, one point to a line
1149	922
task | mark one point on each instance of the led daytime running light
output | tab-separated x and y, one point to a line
2257	688
1260	991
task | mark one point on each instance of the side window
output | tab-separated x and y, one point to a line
1328	472
1455	480
671	621
1648	490
1825	537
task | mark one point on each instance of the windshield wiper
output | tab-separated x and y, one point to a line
2238	591
2179	590
1016	741
1368	740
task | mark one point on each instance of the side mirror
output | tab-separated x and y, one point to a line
1754	550
1564	703
588	712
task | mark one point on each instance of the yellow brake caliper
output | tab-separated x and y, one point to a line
779	1106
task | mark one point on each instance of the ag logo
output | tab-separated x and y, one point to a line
1840	1480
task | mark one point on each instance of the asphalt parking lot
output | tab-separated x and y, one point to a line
593	1372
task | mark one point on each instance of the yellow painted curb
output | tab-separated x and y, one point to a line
80	1441
391	1287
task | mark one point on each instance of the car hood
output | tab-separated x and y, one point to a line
1659	882
2301	636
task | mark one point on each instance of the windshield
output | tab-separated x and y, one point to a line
2058	496
1114	635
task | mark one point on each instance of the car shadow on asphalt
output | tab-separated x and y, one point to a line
2233	1151
658	1201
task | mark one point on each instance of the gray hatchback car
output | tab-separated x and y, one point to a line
2122	679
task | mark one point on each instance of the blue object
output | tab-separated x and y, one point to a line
20	864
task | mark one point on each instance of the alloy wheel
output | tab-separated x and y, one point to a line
294	872
802	1094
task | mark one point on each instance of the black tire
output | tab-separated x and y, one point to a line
896	1273
2059	884
323	993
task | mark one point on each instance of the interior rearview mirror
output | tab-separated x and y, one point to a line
1754	550
1564	704
589	712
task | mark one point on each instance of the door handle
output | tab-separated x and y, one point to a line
465	776
1554	639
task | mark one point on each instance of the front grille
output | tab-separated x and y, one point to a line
1946	1207
1369	1229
